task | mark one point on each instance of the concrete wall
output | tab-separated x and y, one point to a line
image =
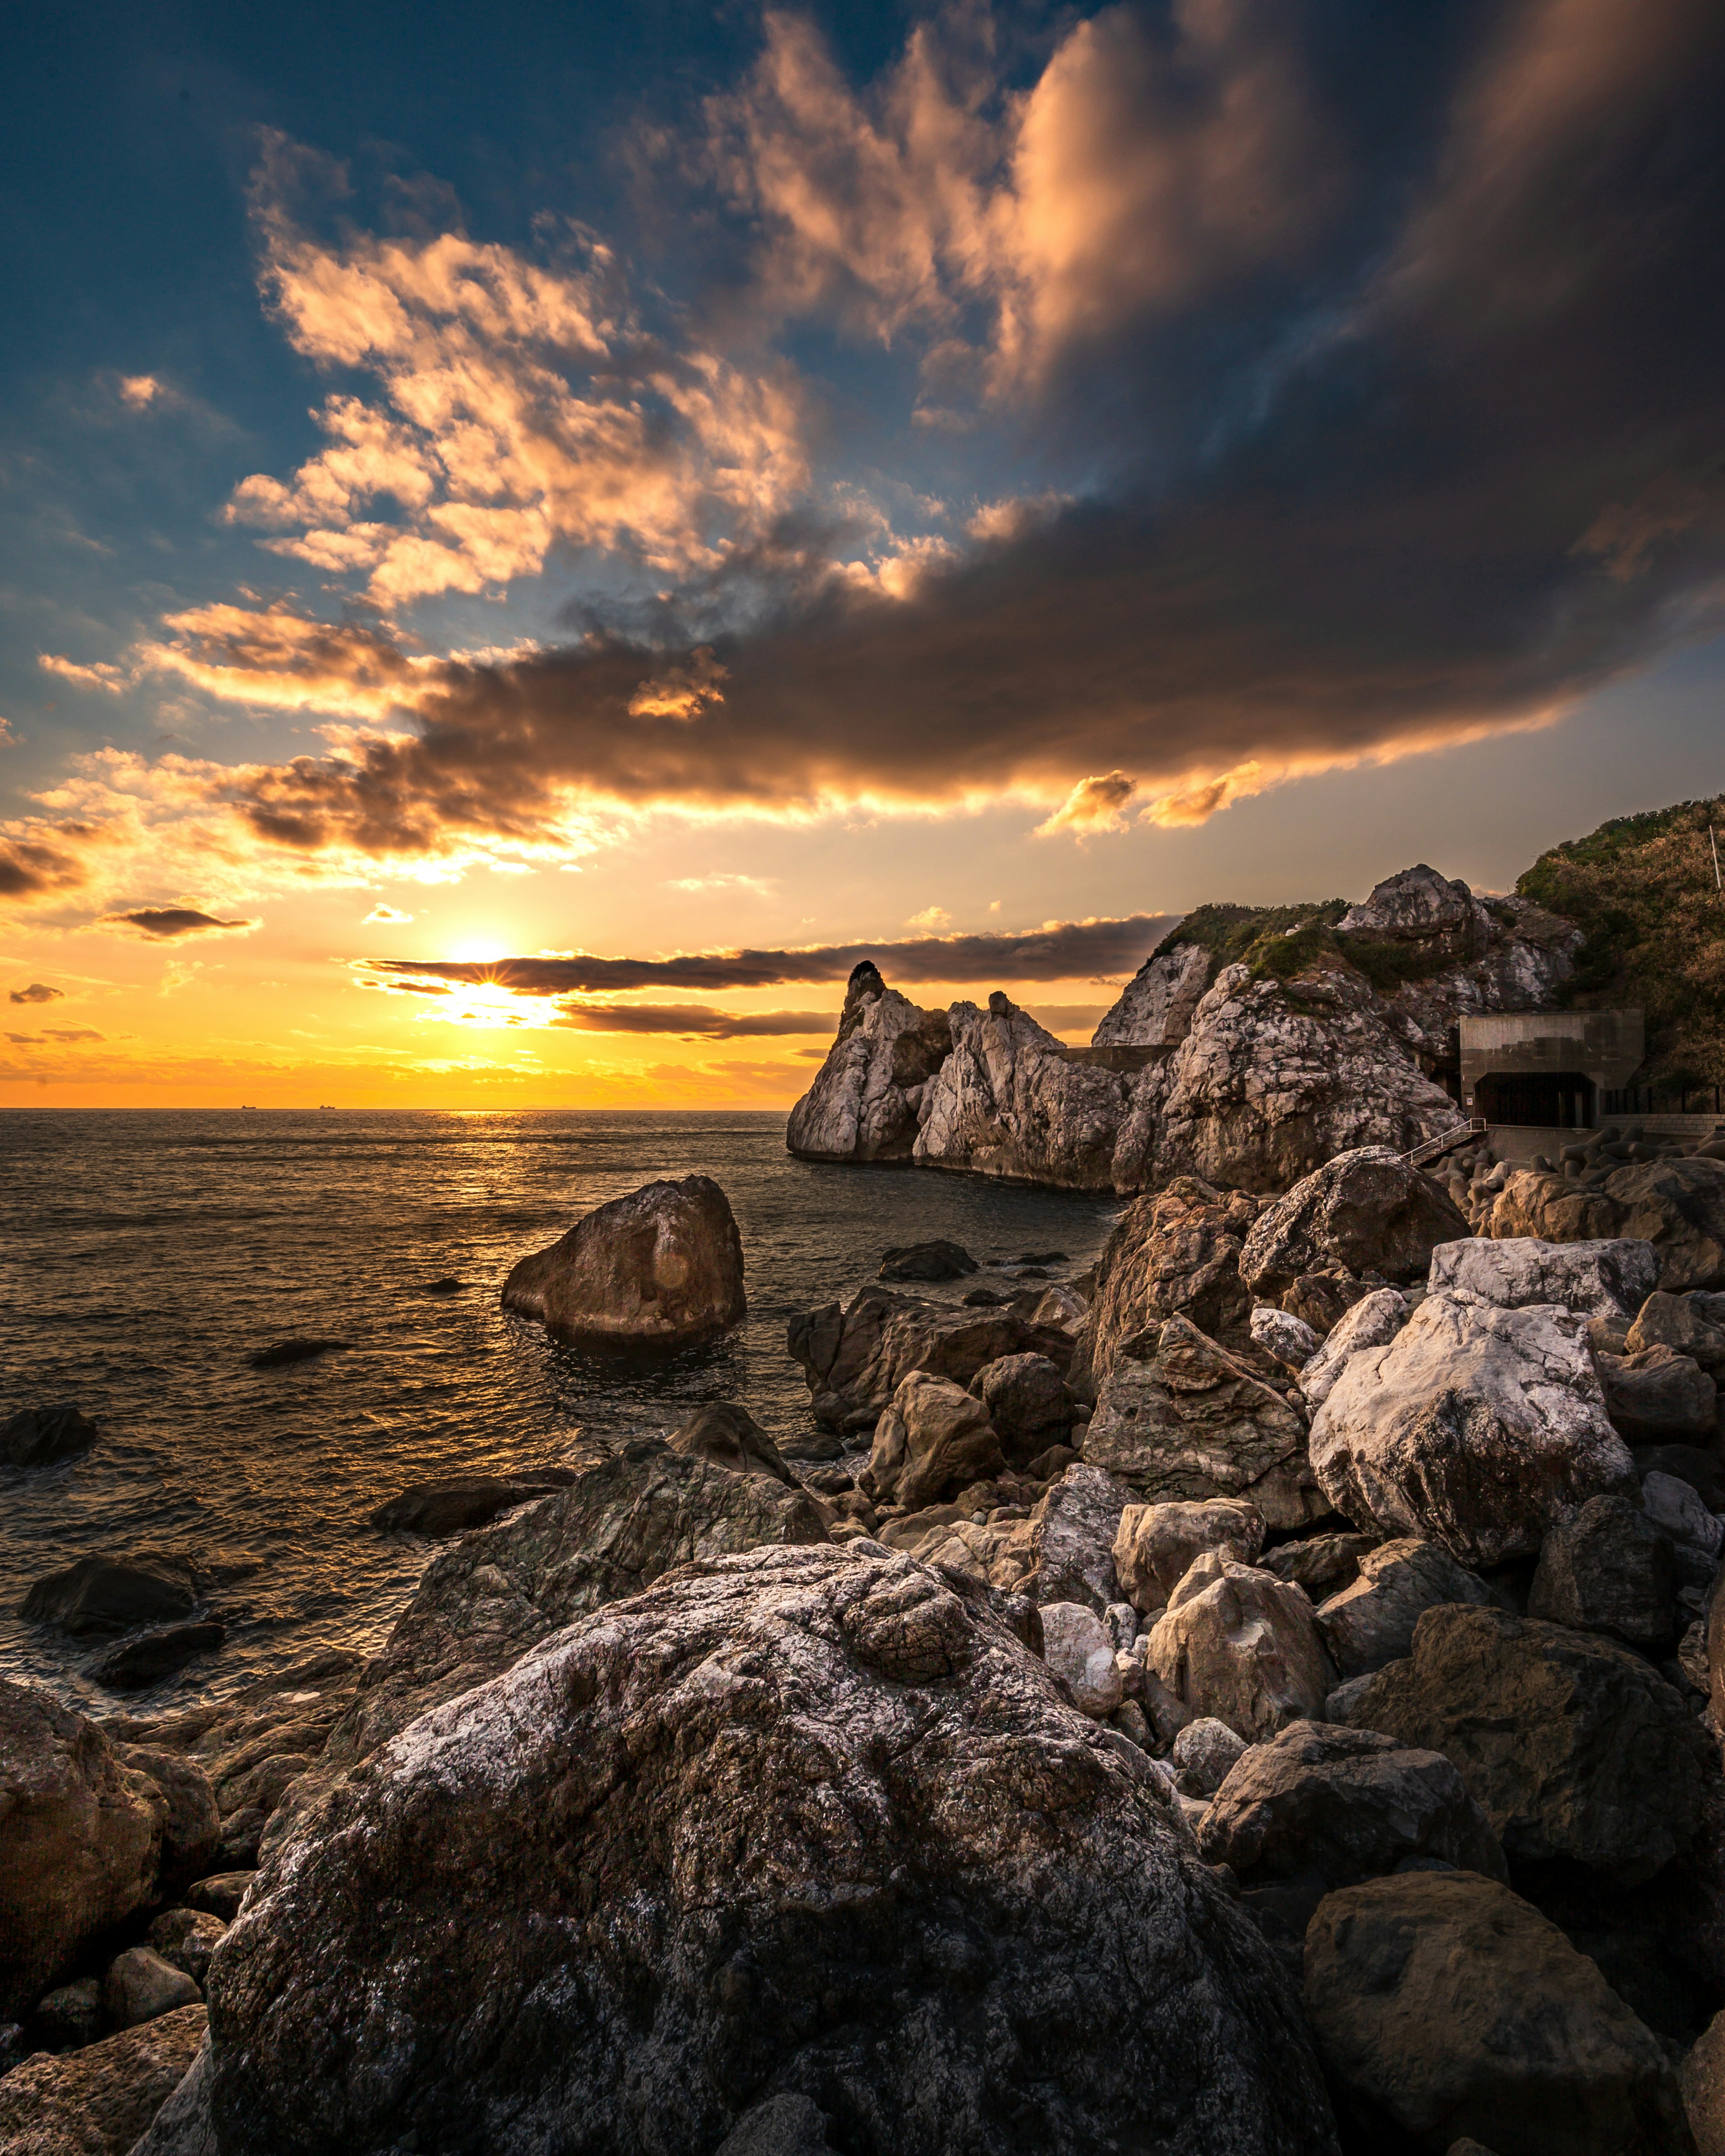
1605	1047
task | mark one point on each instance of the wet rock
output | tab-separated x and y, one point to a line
281	1354
660	1268
140	1661
935	1260
1606	1568
1322	1564
1195	1422
1678	1205
1175	1254
1154	1008
1658	1397
186	1938
449	1284
855	1358
1156	1545
1692	1324
1206	1749
1571	1745
668	1774
1364	1211
1609	1278
1475	1427
36	1437
1347	1804
452	1506
1027	1402
728	1437
1372	1621
1072	1535
932	1439
140	1985
1079	1650
111	1594
863	1101
82	1841
98	2101
1240	1644
1444	2006
1290	1340
1372	1322
1007	1103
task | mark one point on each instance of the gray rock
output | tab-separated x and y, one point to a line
1173	1254
1074	1525
1678	1205
183	2126
1322	1564
102	1594
785	2125
863	1103
1287	1339
36	1437
96	2102
726	1436
1206	1749
1678	1512
1079	1650
140	1985
1194	1422
1607	1278
1364	1210
1416	906
855	1358
660	1268
932	1440
1372	1322
938	1260
1242	1645
1571	1744
452	1506
1444	2006
1155	1545
745	1803
1606	1568
1154	1008
1370	1622
1658	1397
1027	1402
1476	1429
1347	1804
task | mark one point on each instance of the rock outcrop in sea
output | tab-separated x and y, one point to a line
660	1268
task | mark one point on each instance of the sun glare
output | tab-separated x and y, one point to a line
481	951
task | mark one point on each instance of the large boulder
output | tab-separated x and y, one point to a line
1572	1745
1475	1428
660	1268
725	1434
1366	1211
1371	1621
1176	1253
1446	2007
100	1594
36	1437
1606	1568
1374	1321
1240	1644
1079	1648
98	2101
932	1440
1154	1008
863	1103
1692	1324
1072	1537
1194	1422
1658	1397
81	1834
629	1516
1611	1278
1678	1205
1006	1102
797	1822
460	1502
1027	1403
1155	1546
855	1357
1346	1804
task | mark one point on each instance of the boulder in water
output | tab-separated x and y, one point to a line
36	1437
661	1268
451	1507
935	1260
110	1594
795	1822
142	1661
281	1353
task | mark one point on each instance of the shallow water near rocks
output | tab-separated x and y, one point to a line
145	1256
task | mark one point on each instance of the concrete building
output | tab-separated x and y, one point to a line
1552	1069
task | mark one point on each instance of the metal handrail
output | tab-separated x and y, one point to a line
1446	1141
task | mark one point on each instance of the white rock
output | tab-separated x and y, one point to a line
1079	1648
1606	1279
1677	1510
1374	1321
1156	1006
863	1104
1242	1645
1475	1428
1007	1103
1289	1339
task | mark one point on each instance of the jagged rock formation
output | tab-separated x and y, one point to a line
1156	1006
1007	1103
863	1104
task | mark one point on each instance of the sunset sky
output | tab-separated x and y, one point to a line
721	490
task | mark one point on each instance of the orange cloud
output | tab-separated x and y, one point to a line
100	675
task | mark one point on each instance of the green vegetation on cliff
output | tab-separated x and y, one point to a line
1280	942
1642	888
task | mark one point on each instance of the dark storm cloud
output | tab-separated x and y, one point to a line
167	921
1060	951
1444	458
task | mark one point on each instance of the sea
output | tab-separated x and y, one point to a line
146	1256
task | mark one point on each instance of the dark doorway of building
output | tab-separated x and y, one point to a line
1552	1100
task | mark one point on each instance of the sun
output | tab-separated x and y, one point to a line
481	951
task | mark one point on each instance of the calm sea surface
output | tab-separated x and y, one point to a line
144	1256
